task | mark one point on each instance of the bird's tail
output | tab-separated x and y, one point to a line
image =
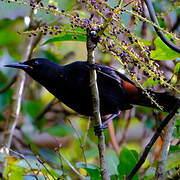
164	100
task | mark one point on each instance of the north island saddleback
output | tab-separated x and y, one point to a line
71	85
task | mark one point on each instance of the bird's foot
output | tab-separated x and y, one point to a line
113	116
98	129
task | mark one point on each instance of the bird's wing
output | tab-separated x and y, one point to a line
112	73
129	86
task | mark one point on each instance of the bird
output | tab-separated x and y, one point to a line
71	85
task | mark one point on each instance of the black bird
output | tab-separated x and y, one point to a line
71	85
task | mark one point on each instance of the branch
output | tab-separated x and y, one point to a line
91	44
165	148
18	95
160	34
42	162
125	130
70	165
16	105
26	160
112	135
79	139
153	140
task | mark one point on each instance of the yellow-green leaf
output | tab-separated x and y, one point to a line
162	51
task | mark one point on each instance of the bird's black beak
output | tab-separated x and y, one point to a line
19	66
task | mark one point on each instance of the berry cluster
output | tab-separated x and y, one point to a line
52	30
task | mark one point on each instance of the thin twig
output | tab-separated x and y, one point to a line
60	158
160	174
47	170
71	166
80	140
38	157
16	105
18	95
41	172
92	41
23	157
153	140
112	135
87	130
125	130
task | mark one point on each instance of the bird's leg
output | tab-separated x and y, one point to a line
113	116
98	130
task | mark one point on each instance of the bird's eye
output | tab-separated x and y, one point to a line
35	63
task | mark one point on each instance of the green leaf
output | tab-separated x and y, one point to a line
67	37
66	5
49	55
50	156
150	173
172	161
53	172
8	37
33	108
114	177
174	148
59	130
146	42
113	162
178	122
127	161
2	118
177	68
14	172
5	99
91	153
92	170
150	82
29	163
162	51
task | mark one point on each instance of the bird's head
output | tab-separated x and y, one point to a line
37	68
31	65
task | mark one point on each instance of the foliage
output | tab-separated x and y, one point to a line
163	51
59	143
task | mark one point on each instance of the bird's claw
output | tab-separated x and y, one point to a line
98	129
